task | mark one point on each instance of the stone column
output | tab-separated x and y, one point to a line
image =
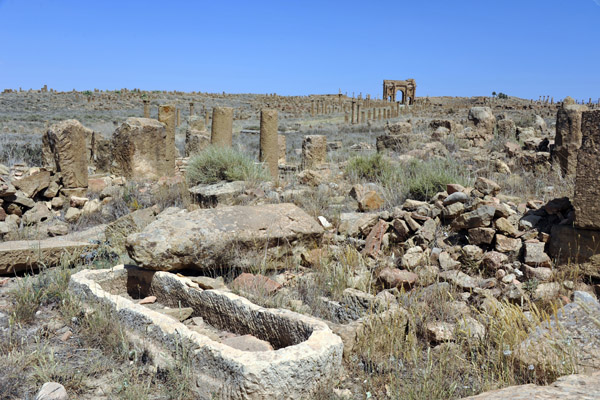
587	189
312	108
314	151
353	111
281	143
358	111
178	117
362	117
206	118
146	108
269	146
379	114
222	127
191	109
166	115
345	118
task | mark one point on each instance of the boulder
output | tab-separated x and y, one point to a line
117	231
222	193
483	120
227	236
52	391
569	337
34	183
482	216
20	255
65	150
397	278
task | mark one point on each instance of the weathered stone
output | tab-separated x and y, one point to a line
139	149
454	187
587	189
401	229
248	343
269	146
493	260
222	127
570	337
447	262
37	214
453	210
6	188
479	236
413	257
456	197
482	216
568	137
222	193
571	244
459	278
370	201
439	331
535	256
398	128
483	120
547	291
486	186
20	255
506	128
375	238
314	151
255	284
34	183
508	245
504	226
209	238
569	387
117	231
167	116
355	224
397	278
195	141
52	391
179	313
64	149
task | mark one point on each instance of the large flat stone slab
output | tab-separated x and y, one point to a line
307	354
569	387
220	237
21	255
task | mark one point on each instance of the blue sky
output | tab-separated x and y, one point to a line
524	48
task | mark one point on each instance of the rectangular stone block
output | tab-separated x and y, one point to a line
587	183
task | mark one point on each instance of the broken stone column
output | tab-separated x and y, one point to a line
362	117
222	127
146	108
358	113
64	150
191	109
139	149
196	136
568	136
178	117
587	188
282	149
353	111
206	117
269	146
346	118
167	115
312	108
314	151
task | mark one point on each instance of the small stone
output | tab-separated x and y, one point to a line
456	197
507	245
72	214
479	236
148	300
493	260
255	283
370	201
454	187
324	223
486	186
505	227
438	332
52	391
66	336
397	278
535	256
180	314
76	201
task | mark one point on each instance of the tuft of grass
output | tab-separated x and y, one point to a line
215	164
423	179
372	167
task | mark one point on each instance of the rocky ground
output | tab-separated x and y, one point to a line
430	242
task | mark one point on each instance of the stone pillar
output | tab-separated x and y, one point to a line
206	118
568	136
587	189
269	146
222	127
362	117
314	151
312	108
146	108
358	111
178	117
64	150
191	109
166	115
282	149
353	112
345	118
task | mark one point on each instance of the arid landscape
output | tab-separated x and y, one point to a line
187	245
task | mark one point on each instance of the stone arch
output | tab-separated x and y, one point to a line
407	88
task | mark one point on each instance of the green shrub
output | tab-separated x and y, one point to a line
215	164
423	179
372	168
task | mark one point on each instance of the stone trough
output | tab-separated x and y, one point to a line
306	353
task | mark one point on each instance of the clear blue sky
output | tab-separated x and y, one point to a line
524	48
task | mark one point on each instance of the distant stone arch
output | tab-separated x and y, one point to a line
407	87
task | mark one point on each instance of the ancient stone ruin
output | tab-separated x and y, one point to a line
407	87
